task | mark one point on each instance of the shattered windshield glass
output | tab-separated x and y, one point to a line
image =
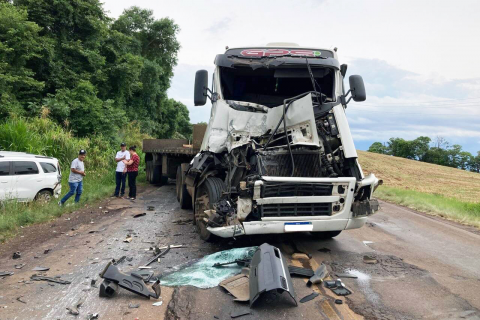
269	87
202	274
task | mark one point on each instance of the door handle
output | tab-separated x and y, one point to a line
4	181
39	180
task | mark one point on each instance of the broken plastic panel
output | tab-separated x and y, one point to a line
202	274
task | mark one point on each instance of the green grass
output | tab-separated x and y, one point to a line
436	204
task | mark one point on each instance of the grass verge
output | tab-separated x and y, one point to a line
15	214
439	205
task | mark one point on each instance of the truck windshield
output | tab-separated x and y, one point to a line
269	87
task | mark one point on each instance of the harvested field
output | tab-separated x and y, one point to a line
423	177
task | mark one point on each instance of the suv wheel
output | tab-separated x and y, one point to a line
44	196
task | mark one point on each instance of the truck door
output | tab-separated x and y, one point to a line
6	180
28	181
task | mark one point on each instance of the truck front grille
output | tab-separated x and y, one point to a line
279	164
295	210
297	189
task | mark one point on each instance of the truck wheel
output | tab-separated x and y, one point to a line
207	195
184	197
178	182
156	175
324	235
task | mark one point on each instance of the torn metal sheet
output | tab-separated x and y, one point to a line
238	286
40	269
269	271
6	273
36	277
230	128
202	274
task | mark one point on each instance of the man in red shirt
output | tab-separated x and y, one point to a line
132	172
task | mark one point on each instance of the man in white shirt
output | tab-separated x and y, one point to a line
120	173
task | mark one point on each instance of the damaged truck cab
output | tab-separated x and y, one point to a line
277	155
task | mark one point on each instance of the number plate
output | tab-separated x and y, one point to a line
298	226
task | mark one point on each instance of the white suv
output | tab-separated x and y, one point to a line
26	177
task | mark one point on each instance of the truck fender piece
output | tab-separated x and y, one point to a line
269	271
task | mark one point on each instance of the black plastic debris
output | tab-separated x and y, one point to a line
40	269
239	313
140	215
36	277
150	208
311	296
19	299
301	272
324	250
319	274
338	288
46	251
145	275
129	282
268	272
108	289
17	255
93	283
120	260
338	301
240	262
329	284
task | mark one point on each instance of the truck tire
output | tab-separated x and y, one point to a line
206	196
183	196
148	170
178	182
156	175
324	235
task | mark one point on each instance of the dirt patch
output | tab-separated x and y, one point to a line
30	236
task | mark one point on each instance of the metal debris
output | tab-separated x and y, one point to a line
319	275
36	277
92	316
370	259
20	266
311	296
120	260
140	215
6	273
157	304
339	288
19	299
17	255
338	301
158	256
40	269
346	275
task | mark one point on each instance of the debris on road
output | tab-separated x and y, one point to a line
202	275
338	288
338	301
107	289
370	259
182	221
129	282
36	277
120	260
240	262
20	266
302	272
93	283
158	256
346	275
74	309
17	255
267	273
40	269
157	304
237	286
324	250
19	299
6	273
144	275
319	274
46	251
139	215
128	239
311	296
300	256
92	316
133	306
239	313
150	208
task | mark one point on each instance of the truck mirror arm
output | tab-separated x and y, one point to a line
213	95
344	97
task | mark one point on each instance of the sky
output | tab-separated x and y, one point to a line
420	60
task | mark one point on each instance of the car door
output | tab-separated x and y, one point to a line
28	180
6	180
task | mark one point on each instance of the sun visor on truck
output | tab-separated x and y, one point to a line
230	61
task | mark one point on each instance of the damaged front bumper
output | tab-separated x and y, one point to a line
330	208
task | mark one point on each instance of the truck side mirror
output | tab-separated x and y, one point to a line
201	85
357	88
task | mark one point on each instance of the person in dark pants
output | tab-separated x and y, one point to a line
132	172
121	172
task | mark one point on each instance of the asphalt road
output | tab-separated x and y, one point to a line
427	268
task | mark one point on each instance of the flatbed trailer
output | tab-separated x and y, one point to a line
163	157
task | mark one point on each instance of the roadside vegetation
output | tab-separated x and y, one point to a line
439	190
43	136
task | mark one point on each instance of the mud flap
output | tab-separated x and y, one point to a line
269	271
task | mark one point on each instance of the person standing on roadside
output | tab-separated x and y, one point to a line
132	172
121	173
75	180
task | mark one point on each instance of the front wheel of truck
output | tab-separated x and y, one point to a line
207	195
324	235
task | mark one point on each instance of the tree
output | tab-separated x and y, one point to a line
420	147
378	147
19	44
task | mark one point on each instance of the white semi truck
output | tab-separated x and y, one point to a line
277	155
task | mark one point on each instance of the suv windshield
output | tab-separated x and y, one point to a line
269	87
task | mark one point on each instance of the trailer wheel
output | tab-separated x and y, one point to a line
206	196
156	175
183	196
178	182
324	235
